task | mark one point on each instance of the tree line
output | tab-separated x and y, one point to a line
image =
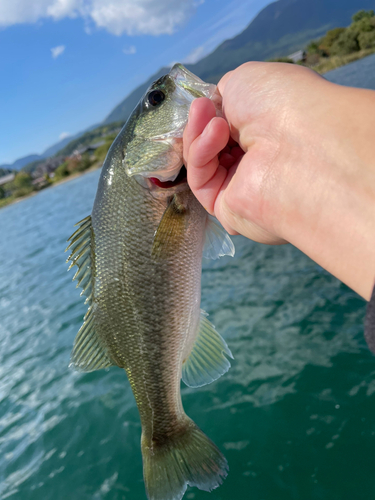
360	35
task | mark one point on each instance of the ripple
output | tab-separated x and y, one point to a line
288	414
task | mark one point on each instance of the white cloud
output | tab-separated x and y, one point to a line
194	55
230	19
130	50
64	135
151	17
57	51
64	8
21	11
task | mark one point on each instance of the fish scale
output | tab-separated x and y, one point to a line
148	315
139	263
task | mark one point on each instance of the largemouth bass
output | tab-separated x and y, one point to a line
139	264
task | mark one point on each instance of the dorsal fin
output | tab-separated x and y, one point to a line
89	352
207	360
81	256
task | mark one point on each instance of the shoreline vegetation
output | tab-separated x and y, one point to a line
13	199
338	47
53	171
23	189
335	62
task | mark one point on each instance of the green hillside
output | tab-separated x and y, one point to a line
278	30
334	47
90	137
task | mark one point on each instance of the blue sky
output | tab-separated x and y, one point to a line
65	64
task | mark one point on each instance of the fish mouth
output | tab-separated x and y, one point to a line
180	179
191	83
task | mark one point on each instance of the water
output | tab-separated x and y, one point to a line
358	74
294	415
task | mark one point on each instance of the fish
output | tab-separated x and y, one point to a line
139	259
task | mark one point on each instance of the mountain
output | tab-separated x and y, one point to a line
127	105
21	162
278	30
4	171
92	136
281	28
52	150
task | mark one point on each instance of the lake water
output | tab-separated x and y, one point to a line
358	74
295	415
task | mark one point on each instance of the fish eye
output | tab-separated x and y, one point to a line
155	97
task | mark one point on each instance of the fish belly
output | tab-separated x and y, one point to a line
146	311
146	308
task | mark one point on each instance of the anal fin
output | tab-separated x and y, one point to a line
89	352
207	361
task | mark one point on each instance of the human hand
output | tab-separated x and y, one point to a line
303	172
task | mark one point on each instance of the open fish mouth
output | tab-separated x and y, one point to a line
180	179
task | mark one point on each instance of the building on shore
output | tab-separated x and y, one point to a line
7	178
90	149
298	56
48	167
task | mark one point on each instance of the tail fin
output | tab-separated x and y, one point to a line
189	458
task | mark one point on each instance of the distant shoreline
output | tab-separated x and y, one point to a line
57	183
335	62
330	64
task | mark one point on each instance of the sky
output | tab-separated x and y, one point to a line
65	64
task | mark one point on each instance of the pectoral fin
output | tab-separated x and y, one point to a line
217	241
169	235
207	360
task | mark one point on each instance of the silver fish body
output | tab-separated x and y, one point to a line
139	263
144	310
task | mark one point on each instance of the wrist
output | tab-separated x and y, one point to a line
333	219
